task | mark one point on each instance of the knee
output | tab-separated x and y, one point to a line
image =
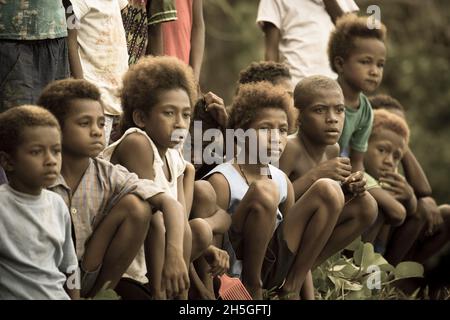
137	210
330	193
157	224
201	233
204	199
264	196
366	209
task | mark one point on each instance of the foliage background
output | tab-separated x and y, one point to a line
417	71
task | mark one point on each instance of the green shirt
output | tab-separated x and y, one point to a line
371	182
357	126
32	19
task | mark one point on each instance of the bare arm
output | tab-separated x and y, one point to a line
393	210
197	38
72	42
155	45
415	175
272	40
188	186
357	160
333	9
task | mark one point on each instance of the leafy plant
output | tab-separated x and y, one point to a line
365	275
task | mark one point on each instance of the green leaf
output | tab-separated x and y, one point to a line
355	244
408	269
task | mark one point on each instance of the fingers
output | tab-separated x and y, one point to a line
211	98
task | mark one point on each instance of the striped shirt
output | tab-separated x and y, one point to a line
101	187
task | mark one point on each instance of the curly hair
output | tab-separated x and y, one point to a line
144	81
264	71
306	89
253	97
15	120
348	27
384	101
57	96
385	120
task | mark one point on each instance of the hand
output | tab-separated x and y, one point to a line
337	169
397	185
218	260
355	184
432	215
216	108
175	277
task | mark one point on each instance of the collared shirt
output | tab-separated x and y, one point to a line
101	187
32	20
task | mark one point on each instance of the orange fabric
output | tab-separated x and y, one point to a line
177	34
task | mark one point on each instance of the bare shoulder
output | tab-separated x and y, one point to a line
332	151
134	145
291	152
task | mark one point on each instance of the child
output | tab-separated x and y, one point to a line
142	22
297	31
33	49
277	240
158	95
98	51
109	215
387	144
427	230
36	249
357	54
314	154
185	37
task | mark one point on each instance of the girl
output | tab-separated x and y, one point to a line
271	241
157	98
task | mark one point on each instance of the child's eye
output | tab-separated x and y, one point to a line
381	150
340	109
381	65
365	61
101	124
84	123
168	113
319	110
187	115
57	151
35	152
283	130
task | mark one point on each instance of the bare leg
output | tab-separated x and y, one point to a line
254	219
116	241
308	227
155	255
358	215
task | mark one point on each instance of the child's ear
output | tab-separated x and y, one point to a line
338	63
6	161
138	118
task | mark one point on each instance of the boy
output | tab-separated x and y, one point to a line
33	49
36	249
430	225
98	51
106	203
313	154
357	54
387	145
297	31
276	240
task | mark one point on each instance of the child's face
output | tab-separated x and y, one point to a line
385	150
363	68
36	162
168	121
84	128
272	131
323	119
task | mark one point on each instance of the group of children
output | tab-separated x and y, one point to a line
78	215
